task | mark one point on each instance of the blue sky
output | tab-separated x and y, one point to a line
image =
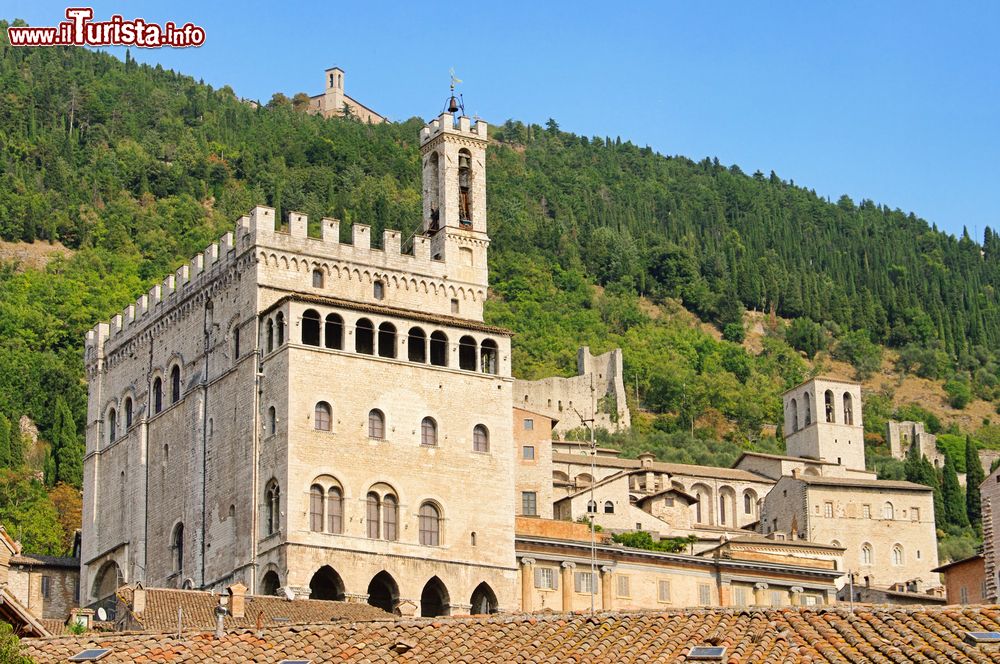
894	101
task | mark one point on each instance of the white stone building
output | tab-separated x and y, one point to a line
334	101
288	411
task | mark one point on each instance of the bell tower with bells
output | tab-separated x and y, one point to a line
453	155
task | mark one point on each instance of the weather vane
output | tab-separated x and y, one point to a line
455	103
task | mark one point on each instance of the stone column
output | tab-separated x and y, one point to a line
760	594
797	595
567	586
527	583
606	579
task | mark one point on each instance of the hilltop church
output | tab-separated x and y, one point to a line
312	418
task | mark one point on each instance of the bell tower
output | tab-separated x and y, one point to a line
453	155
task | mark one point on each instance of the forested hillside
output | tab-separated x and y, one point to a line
595	241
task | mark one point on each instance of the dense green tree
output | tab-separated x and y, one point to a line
10	647
951	494
28	514
805	335
973	478
919	469
5	440
66	447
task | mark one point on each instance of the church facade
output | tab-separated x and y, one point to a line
307	416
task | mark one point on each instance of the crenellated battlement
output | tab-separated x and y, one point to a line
446	123
293	250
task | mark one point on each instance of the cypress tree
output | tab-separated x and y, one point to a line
951	493
919	469
4	441
16	444
66	447
974	476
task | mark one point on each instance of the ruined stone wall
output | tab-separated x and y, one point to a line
599	379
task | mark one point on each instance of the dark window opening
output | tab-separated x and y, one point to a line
428	432
128	412
465	187
175	384
364	337
416	345
488	357
430	525
323	416
310	327
390	518
467	353
439	349
279	327
334	332
112	425
317	278
378	290
376	424
387	340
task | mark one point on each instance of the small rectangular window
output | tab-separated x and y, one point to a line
236	343
454	306
866	511
704	594
529	503
529	424
739	596
583	582
46	582
963	594
546	578
828	510
623	585
811	600
663	591
379	290
777	598
528	452
914	514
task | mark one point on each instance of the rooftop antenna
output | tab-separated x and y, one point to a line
455	104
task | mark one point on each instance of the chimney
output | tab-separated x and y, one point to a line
138	599
646	459
220	624
237	600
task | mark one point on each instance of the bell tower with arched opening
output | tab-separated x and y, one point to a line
823	422
453	155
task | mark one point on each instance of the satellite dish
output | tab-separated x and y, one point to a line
289	595
102	615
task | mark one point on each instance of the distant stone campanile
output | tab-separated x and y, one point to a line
334	102
316	418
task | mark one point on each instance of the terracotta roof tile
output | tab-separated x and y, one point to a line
197	610
751	636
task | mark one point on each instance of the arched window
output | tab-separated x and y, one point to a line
591	507
364	337
157	395
805	400
488	356
416	345
334	333
177	544
378	290
866	554
439	349
270	335
310	327
335	510
390	517
467	353
279	328
722	509
609	507
272	514
897	555
828	405
317	278
888	512
128	412
316	508
432	198
112	425
372	515
175	384
272	421
428	431
387	340
480	439
323	415
376	424
794	406
464	187
749	501
430	525
848	408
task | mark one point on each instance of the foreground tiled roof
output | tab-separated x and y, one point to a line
779	636
197	610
